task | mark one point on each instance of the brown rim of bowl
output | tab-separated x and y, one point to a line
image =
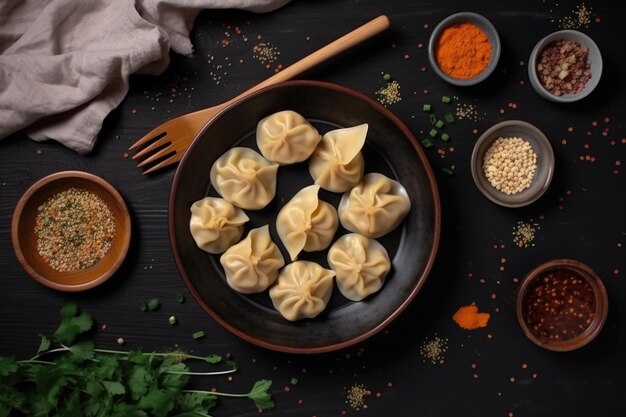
427	268
600	295
89	277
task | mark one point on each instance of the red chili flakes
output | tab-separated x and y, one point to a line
489	336
616	271
512	379
586	146
607	119
423	69
482	280
501	111
570	129
563	141
522	82
308	38
535	375
589	133
425	25
618	163
300	402
286	388
420	45
493	296
522	63
502	260
524	365
597	20
623	140
473	365
134	111
568	193
515	280
406	56
474	131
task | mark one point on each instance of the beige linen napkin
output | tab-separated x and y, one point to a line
65	64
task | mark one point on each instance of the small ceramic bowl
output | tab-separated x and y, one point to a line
24	236
545	291
594	58
543	173
486	26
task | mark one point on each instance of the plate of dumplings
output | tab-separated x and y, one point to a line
304	217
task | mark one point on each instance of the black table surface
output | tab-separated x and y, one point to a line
492	371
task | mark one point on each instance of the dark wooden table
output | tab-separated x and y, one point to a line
494	371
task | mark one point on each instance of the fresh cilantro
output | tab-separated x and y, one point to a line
72	324
81	380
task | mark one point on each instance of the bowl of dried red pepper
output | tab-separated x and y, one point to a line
565	66
71	230
464	48
562	305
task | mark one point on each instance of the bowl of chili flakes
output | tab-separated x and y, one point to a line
565	66
71	231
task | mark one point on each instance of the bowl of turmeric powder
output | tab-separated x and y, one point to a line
464	49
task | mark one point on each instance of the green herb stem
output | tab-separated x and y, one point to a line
225	372
220	394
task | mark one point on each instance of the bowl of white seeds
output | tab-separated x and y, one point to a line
512	163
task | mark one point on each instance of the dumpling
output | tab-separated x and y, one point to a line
375	206
244	178
216	224
306	222
252	265
337	163
286	137
302	290
361	265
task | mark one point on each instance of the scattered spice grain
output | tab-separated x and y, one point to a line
510	164
355	396
524	234
389	94
75	229
434	350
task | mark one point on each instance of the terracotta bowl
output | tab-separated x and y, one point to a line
560	331
25	239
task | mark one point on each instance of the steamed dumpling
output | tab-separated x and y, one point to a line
286	137
375	206
216	224
337	163
302	290
306	222
252	265
361	265
244	178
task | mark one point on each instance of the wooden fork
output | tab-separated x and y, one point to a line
166	144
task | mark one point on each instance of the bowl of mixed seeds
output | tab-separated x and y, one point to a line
565	66
512	163
71	230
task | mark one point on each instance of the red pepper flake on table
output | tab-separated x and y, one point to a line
75	229
560	305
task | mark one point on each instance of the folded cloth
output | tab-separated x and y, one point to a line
65	64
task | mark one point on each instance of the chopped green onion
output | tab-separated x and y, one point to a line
433	119
445	136
439	124
180	297
198	335
386	77
445	99
143	306
449	118
294	381
448	171
426	107
172	320
153	304
427	143
433	132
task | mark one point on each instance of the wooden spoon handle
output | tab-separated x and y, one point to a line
337	46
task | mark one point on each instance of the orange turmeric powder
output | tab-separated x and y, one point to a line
463	51
469	318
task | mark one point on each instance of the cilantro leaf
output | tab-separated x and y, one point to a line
213	359
11	399
114	387
195	403
43	345
260	394
158	402
72	324
82	350
7	366
140	380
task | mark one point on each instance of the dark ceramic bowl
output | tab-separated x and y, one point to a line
25	239
552	339
486	26
595	60
545	162
390	149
